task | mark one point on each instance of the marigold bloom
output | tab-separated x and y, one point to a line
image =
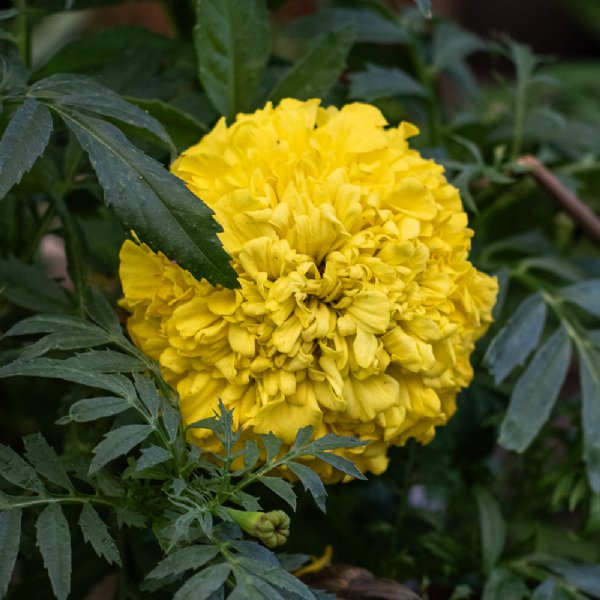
357	308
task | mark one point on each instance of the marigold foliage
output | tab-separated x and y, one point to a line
357	308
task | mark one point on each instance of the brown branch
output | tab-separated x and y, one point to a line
581	213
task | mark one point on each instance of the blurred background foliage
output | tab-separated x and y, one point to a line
486	83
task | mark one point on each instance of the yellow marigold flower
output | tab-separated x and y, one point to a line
357	308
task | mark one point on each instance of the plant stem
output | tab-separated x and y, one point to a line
23	30
28	502
580	212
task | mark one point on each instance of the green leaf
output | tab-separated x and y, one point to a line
272	445
61	369
492	527
233	42
30	287
95	532
589	372
382	82
153	455
452	44
10	537
549	590
184	559
276	576
204	583
585	294
24	140
584	576
282	488
341	464
53	324
45	460
98	308
65	340
171	419
331	441
173	219
148	394
535	392
251	454
425	7
369	26
502	584
311	482
117	442
183	128
54	542
14	469
105	361
517	339
85	93
318	70
303	436
91	409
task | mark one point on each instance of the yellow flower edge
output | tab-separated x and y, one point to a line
357	309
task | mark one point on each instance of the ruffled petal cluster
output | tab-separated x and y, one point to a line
357	308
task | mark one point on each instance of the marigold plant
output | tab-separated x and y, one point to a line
357	308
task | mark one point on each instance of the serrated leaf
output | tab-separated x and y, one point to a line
173	219
318	70
185	130
85	93
232	61
153	455
105	361
302	437
10	537
54	541
585	294
282	488
277	577
192	557
148	394
91	409
204	583
369	26
98	308
24	140
75	340
31	288
251	454
452	44
95	532
14	469
272	445
517	339
256	551
341	464
535	392
589	372
311	482
118	442
331	441
45	460
52	324
171	419
57	369
128	517
492	528
382	82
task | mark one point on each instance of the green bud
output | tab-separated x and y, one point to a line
271	528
